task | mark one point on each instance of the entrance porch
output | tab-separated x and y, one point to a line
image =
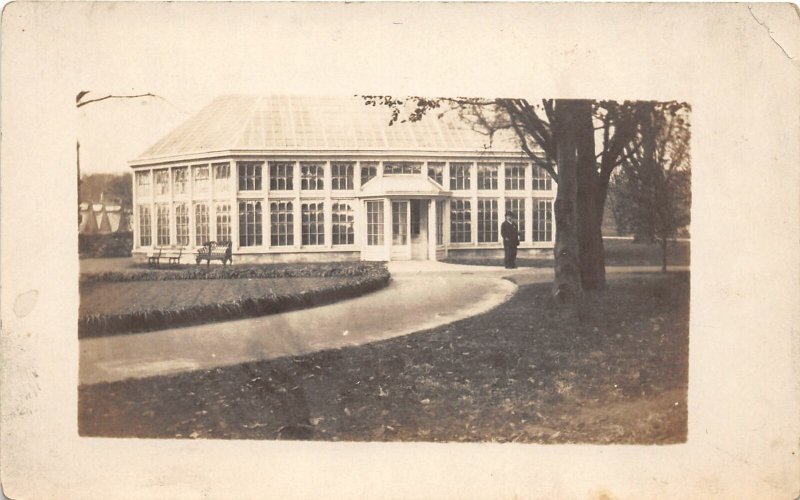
404	229
404	219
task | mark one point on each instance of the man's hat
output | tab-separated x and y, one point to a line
510	214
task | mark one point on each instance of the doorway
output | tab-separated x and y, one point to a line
419	229
409	230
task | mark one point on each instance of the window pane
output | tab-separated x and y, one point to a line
201	225
542	220
249	175
342	175
399	223
460	221
180	180
223	222
515	176
487	221
311	176
222	177
375	222
281	223
459	176
200	179
250	223
541	179
487	175
181	224
517	206
143	185
439	222
162	224
342	224
402	167
369	169
312	222
145	235
162	183
436	171
281	176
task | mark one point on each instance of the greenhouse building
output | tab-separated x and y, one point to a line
287	178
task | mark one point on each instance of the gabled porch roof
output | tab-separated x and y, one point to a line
408	186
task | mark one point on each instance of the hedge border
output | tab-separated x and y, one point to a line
102	325
105	245
239	271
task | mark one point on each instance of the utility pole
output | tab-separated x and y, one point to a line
78	158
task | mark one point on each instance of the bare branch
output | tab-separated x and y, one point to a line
80	103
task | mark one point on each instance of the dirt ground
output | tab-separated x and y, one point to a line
525	371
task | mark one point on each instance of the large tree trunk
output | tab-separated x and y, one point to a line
567	283
591	200
590	239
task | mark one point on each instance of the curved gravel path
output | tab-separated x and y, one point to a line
420	296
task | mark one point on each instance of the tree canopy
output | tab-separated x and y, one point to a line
591	137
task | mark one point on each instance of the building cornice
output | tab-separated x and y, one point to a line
330	154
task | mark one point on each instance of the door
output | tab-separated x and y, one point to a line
375	247
401	248
419	229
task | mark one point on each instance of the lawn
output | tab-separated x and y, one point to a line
132	296
628	253
617	374
618	253
129	300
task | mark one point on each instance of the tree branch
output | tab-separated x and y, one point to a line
80	103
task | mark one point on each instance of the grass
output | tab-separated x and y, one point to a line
110	307
628	253
618	253
617	374
135	296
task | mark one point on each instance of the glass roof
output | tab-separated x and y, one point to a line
301	123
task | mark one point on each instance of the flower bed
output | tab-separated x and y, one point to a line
192	311
243	271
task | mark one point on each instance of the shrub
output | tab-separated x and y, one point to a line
97	325
244	271
105	245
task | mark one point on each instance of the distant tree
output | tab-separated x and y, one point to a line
652	190
110	187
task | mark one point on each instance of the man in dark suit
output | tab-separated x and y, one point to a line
510	234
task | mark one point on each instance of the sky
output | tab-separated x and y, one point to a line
115	131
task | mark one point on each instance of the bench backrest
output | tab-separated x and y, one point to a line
210	247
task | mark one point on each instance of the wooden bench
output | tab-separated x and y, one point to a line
172	258
155	257
172	254
213	250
